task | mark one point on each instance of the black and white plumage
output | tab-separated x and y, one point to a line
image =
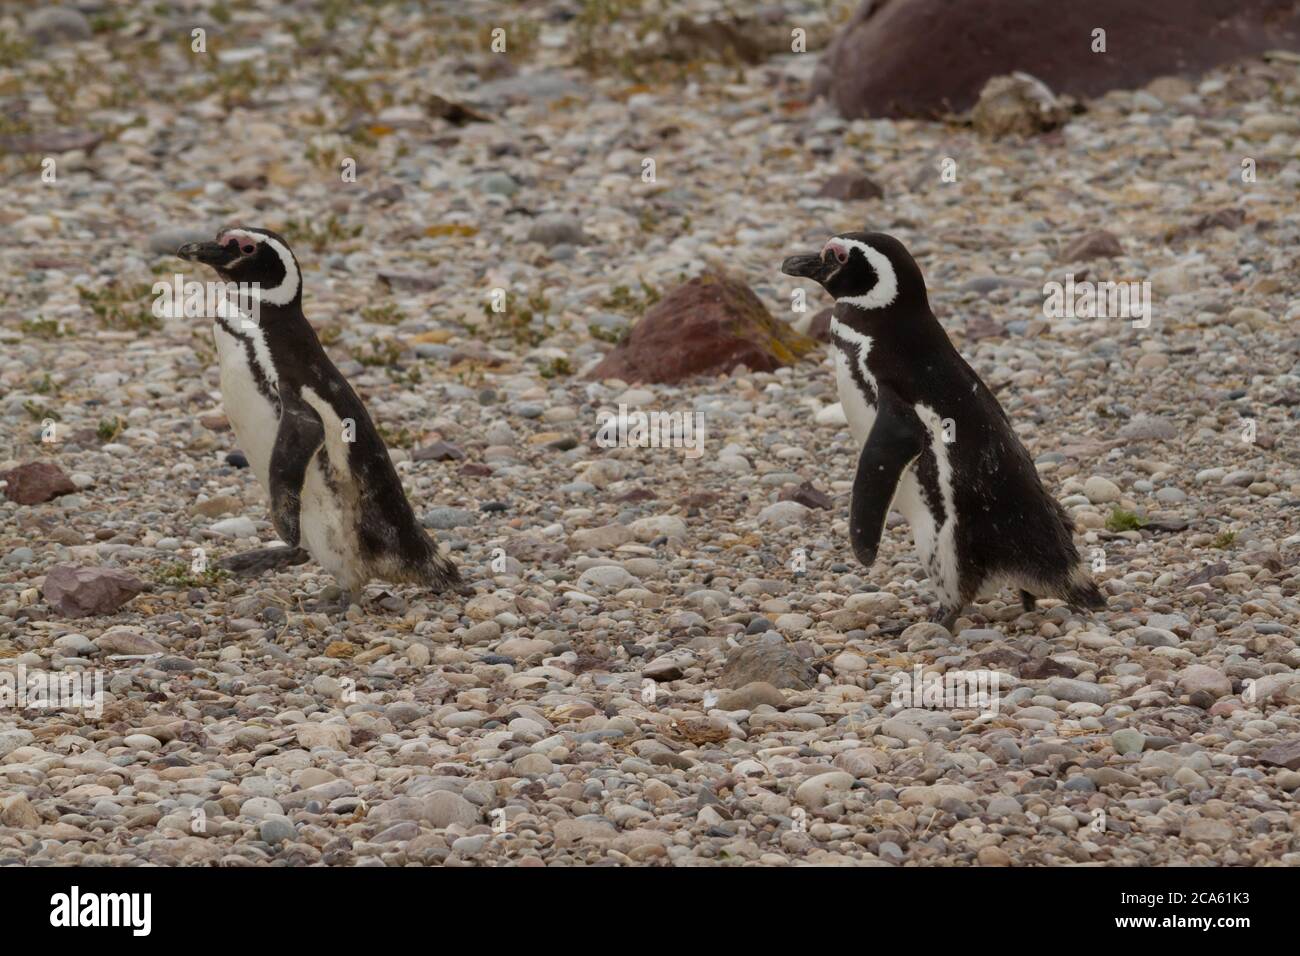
333	489
978	511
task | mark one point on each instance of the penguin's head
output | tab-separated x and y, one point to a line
869	270
254	256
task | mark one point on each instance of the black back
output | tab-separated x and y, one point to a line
1010	522
388	523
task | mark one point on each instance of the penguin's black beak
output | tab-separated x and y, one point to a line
209	253
807	267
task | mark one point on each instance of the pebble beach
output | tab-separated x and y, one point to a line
665	656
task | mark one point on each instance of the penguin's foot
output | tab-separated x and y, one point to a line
384	602
947	618
262	560
332	600
1028	601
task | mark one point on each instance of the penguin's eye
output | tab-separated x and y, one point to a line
841	255
247	248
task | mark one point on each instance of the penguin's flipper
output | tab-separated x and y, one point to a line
895	441
299	437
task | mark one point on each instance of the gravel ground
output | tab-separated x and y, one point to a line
575	709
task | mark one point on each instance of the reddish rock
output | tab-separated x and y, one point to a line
701	499
80	592
1095	245
1229	217
242	183
35	482
1225	708
1283	755
439	451
884	62
636	495
707	326
1045	667
849	187
808	496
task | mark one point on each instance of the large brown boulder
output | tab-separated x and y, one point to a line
85	591
36	482
922	58
707	326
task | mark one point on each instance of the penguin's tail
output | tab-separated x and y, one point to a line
441	574
1081	590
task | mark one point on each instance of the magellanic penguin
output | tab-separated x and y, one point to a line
934	441
333	489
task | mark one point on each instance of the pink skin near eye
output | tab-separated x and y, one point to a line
246	247
840	252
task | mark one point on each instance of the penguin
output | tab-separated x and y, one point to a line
933	440
333	489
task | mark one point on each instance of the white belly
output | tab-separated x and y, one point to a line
326	519
328	530
330	517
934	543
252	416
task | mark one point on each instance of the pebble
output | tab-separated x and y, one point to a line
817	791
1127	741
277	829
783	514
57	25
1063	688
239	527
445	519
1101	490
554	230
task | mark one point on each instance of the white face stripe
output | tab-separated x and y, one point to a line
886	288
287	290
